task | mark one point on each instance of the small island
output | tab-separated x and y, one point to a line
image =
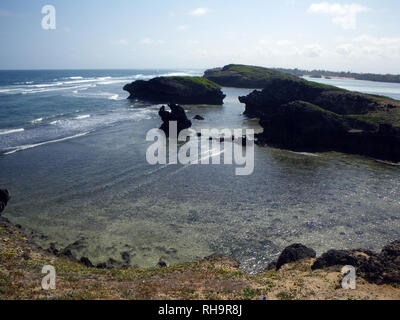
303	115
176	90
242	76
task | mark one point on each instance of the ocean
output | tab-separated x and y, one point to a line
73	155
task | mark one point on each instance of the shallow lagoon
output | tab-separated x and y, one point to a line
99	188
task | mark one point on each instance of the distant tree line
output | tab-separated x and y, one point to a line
359	76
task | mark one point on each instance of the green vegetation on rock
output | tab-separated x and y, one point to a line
196	81
242	76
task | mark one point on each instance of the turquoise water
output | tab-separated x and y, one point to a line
81	173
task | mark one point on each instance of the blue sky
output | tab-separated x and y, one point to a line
360	36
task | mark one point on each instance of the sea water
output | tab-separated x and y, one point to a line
73	155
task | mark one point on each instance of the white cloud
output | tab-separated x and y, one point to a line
344	15
378	41
366	46
199	12
312	51
149	41
345	49
284	43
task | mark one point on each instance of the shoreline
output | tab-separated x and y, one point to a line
214	277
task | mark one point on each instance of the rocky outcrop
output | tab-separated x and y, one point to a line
177	114
383	268
279	91
185	90
333	257
294	253
242	76
4	198
379	268
376	268
302	126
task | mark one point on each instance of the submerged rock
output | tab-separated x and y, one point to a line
293	253
177	114
4	198
161	264
197	117
187	90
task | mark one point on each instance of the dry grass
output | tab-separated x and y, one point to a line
215	278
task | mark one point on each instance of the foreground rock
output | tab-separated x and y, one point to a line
4	198
382	268
242	76
378	268
185	90
294	253
177	114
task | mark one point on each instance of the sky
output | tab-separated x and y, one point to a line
357	36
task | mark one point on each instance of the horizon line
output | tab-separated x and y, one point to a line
188	68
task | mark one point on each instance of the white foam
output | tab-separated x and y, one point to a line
37	120
114	97
8	131
29	146
305	154
85	116
75	78
47	85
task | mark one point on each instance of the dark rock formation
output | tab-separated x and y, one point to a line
376	268
162	264
302	126
197	117
242	76
383	268
279	91
67	253
379	268
4	198
294	253
177	114
126	257
185	90
112	264
86	262
332	257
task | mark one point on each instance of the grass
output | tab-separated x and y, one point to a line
250	73
196	82
261	74
391	116
213	278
